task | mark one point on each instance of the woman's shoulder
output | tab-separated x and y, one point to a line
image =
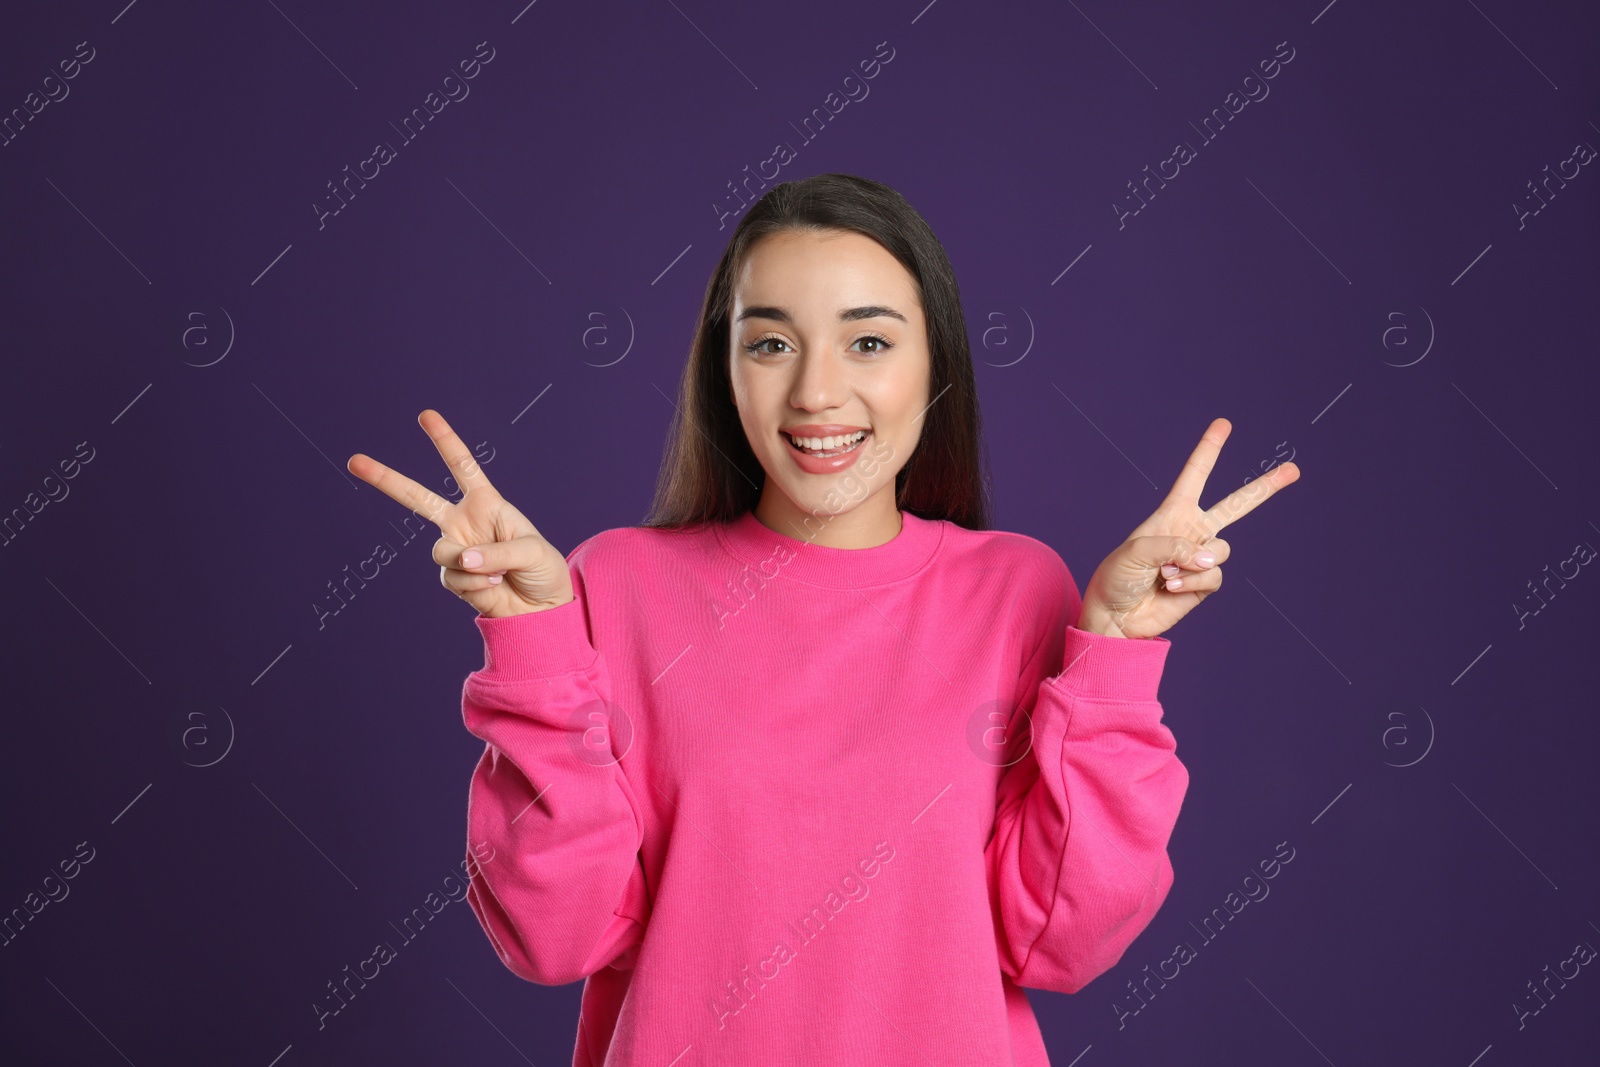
636	544
1017	553
1023	581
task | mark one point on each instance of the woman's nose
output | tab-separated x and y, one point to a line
820	381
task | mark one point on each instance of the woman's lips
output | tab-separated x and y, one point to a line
825	464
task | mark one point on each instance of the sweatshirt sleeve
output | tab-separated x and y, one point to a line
563	893
1078	862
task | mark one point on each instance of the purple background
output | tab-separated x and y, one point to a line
565	213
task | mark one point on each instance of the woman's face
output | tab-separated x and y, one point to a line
828	339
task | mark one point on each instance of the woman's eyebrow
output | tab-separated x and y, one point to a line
777	314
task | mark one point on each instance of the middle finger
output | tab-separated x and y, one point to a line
397	486
1242	501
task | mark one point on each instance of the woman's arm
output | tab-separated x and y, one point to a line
565	893
1078	861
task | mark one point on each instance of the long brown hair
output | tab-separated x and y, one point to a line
709	472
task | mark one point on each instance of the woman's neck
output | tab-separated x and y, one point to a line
873	522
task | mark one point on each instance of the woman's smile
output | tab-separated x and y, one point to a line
830	455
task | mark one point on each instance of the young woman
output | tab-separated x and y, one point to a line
811	767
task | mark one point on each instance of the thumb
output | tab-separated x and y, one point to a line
521	553
1169	551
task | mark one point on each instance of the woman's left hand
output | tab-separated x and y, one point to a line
1173	560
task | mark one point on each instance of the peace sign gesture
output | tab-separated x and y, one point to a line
489	555
1173	560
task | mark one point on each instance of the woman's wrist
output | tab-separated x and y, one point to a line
1095	620
527	608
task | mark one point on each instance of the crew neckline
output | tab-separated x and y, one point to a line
753	544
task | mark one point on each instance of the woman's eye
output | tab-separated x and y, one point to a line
879	345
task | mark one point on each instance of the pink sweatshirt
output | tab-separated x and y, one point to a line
780	803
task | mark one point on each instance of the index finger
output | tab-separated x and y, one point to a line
469	475
392	483
1192	479
1242	501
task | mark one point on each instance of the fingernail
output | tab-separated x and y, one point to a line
494	579
1168	570
1174	583
472	558
1205	559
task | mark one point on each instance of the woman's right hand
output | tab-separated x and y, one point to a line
512	569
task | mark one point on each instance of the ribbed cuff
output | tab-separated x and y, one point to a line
538	644
1101	667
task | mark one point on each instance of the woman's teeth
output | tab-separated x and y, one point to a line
827	446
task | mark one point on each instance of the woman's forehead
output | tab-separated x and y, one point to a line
809	275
